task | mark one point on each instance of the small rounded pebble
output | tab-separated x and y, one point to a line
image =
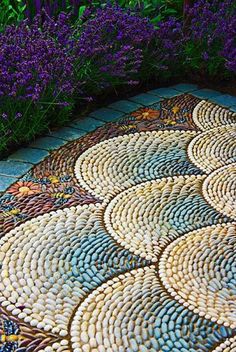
229	345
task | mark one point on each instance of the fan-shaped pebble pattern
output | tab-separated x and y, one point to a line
229	345
59	346
207	115
214	148
51	262
219	189
132	313
199	270
147	217
119	163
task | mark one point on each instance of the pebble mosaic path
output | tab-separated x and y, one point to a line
118	232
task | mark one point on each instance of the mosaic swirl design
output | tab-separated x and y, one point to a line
74	255
125	240
207	115
214	148
134	313
117	164
219	189
145	218
199	270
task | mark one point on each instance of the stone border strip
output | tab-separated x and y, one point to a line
20	162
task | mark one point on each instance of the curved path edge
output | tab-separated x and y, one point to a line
23	160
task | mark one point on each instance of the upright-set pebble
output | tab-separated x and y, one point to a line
219	189
133	313
207	115
152	265
214	148
199	270
148	216
229	345
119	163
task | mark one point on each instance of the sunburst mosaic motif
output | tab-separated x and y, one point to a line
125	239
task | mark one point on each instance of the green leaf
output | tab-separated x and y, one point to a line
156	19
81	10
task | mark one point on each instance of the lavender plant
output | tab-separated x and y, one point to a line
113	44
211	38
37	76
169	46
52	8
47	64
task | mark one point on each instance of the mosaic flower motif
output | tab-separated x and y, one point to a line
175	109
146	114
10	212
53	179
24	189
113	277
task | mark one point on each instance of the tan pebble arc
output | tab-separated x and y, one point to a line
207	115
115	164
199	269
214	148
140	218
36	268
228	345
60	346
99	321
219	189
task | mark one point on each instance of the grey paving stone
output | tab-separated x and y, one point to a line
225	100
14	168
48	143
165	92
67	133
146	99
125	106
206	93
106	115
233	108
87	124
5	182
185	88
29	155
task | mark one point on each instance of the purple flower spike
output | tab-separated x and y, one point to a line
4	116
18	115
38	58
37	6
114	41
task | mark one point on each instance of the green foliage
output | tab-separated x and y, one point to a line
34	120
155	9
188	57
193	52
11	11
